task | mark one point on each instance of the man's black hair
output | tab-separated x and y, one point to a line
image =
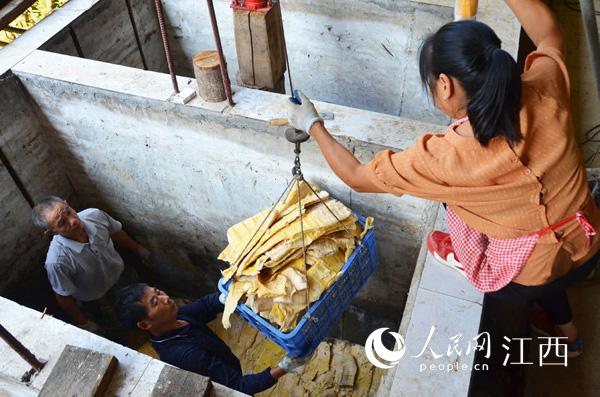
129	308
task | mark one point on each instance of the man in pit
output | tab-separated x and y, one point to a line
82	263
182	338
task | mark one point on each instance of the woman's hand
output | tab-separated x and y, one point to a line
304	115
342	162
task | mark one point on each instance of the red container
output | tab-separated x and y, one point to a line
252	5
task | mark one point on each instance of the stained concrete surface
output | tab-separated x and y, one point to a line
12	388
380	37
22	248
107	32
379	40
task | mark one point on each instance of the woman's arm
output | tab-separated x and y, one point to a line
539	23
304	117
342	162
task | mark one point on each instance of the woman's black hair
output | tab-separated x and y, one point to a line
470	52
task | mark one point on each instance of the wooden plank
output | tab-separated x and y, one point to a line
243	47
177	382
80	372
276	42
10	10
260	48
267	47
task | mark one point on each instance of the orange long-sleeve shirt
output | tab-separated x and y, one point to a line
509	191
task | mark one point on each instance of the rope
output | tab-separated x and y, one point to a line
263	221
298	179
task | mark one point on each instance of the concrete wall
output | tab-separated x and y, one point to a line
585	97
362	54
22	249
178	176
106	33
359	53
378	40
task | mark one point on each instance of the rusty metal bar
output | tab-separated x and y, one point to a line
223	64
20	349
165	39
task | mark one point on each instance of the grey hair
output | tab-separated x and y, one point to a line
38	213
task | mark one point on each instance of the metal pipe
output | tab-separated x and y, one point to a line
165	40
20	349
588	14
223	64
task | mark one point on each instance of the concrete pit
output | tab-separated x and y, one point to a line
82	119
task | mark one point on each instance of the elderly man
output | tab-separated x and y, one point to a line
181	338
82	262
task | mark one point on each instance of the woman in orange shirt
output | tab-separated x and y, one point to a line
521	219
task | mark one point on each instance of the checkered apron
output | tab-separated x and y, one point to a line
491	263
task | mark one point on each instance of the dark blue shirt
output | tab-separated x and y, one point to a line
197	349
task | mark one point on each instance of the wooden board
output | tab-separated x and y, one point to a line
260	48
177	382
80	372
243	47
267	43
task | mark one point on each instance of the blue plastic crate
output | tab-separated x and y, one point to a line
328	309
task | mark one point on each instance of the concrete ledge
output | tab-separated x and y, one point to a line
46	337
442	298
372	127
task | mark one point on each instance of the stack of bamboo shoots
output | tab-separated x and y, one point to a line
270	272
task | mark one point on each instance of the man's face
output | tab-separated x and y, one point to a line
160	309
62	219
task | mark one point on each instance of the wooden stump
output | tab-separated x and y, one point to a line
207	70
